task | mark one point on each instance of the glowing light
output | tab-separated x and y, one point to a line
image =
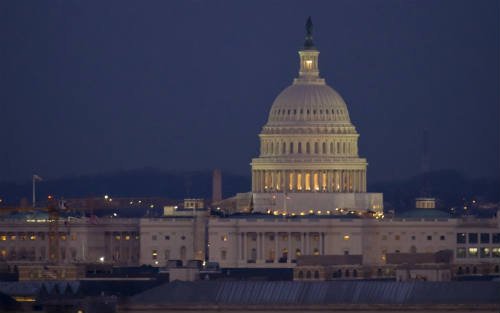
346	237
156	262
106	197
101	259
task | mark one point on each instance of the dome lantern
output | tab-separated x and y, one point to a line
309	70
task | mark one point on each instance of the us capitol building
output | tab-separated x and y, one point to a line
308	210
309	149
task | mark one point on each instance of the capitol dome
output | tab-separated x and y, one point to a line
309	148
312	102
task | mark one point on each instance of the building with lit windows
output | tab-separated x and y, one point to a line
308	199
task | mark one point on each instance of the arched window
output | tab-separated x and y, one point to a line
308	148
291	148
347	273
301	275
338	148
316	274
299	147
331	147
324	147
308	275
343	147
283	148
316	148
272	148
497	269
354	273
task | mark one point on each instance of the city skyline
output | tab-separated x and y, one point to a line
115	87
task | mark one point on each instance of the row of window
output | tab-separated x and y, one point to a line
478	238
482	252
307	111
166	237
413	237
33	236
275	148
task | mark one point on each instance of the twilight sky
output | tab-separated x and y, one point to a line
92	86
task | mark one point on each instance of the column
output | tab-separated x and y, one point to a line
303	243
257	239
307	238
240	246
276	248
321	244
289	256
244	246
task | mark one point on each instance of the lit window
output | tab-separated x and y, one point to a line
3	237
484	252
346	237
73	237
223	238
63	237
118	237
495	252
473	252
127	237
32	237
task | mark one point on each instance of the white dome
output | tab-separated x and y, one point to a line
311	102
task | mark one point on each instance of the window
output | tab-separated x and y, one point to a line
485	238
495	252
484	252
153	237
167	237
167	255
412	237
495	237
397	237
461	238
183	237
223	255
442	237
472	237
429	237
223	238
461	253
384	237
473	252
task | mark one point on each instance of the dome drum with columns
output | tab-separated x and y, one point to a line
309	149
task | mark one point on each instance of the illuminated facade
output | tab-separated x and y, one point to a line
309	149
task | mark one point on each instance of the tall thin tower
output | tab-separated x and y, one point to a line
216	186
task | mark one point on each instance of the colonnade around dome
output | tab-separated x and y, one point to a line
309	181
